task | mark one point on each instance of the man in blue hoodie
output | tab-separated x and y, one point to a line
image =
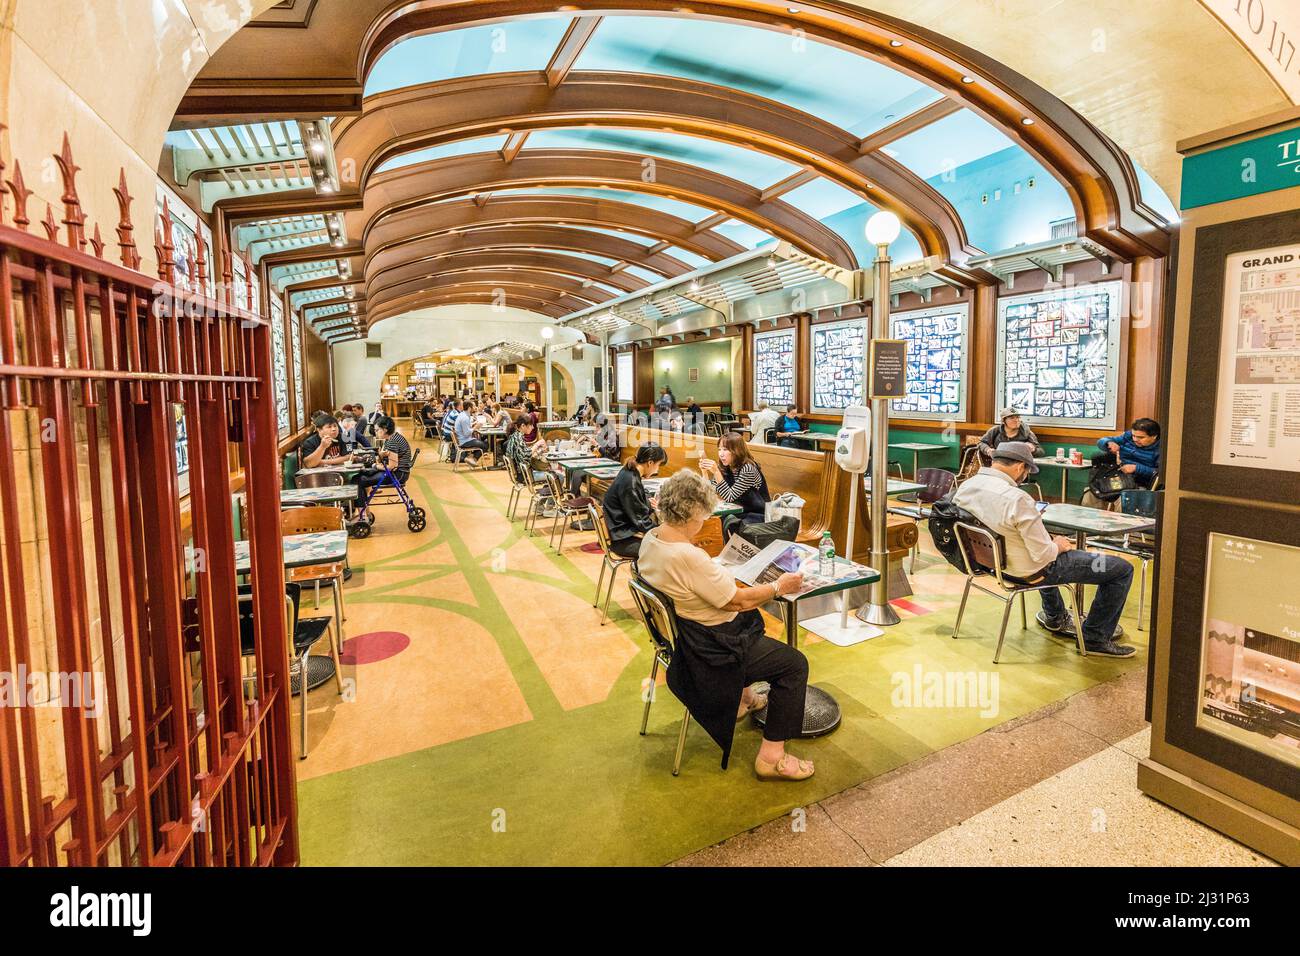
1137	451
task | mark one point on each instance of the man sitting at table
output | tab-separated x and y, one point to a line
351	435
394	452
760	420
466	436
322	447
1009	428
993	495
787	423
449	420
1137	451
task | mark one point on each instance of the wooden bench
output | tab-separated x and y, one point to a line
812	475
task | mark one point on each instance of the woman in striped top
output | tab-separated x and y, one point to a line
739	480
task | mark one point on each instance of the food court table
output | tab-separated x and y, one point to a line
328	495
494	436
1066	466
346	470
1082	522
918	448
895	486
302	550
821	712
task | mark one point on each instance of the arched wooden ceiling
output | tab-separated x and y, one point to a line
1099	178
433	114
419	185
466	216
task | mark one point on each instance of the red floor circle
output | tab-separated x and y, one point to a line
373	647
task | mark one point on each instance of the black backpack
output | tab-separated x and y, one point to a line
944	516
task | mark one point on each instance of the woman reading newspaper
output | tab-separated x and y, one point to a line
721	647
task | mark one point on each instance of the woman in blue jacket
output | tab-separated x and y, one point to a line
1137	451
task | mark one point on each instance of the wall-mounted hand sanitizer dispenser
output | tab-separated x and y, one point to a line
853	442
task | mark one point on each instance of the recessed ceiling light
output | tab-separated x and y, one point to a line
968	79
1027	121
895	43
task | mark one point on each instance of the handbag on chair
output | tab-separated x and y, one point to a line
1109	482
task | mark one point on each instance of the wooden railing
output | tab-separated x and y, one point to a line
163	752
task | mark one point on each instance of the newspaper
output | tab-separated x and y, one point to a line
750	565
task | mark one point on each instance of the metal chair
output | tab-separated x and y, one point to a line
610	560
1033	489
539	497
982	556
660	620
566	507
1141	546
516	486
458	457
321	479
306	521
938	483
969	463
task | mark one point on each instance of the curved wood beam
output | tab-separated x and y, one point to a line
415	186
553	262
543	286
1098	175
465	217
432	114
534	237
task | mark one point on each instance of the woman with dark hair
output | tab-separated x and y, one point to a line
739	480
629	514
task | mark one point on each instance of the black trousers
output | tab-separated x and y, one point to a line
626	547
368	479
786	670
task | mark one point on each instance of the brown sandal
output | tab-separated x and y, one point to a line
789	767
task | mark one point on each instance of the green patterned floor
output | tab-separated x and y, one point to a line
577	785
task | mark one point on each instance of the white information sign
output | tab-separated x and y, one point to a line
1257	409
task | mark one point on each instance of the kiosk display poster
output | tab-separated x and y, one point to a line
1058	360
774	368
1257	408
1250	646
936	362
624	377
295	349
837	355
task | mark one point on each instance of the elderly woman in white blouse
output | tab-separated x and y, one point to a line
721	649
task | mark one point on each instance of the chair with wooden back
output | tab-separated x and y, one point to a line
309	521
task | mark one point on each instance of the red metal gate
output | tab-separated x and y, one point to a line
167	744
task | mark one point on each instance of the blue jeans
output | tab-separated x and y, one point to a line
1110	573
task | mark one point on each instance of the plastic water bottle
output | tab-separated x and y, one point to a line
826	556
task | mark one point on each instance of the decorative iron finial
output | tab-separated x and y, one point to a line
166	263
73	218
50	223
18	189
201	253
97	242
125	230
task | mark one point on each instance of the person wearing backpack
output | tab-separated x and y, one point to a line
994	496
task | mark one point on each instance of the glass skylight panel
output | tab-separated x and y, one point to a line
954	141
747	165
821	198
493	48
463	147
742	233
843	88
688	257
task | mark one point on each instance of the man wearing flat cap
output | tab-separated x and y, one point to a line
994	496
